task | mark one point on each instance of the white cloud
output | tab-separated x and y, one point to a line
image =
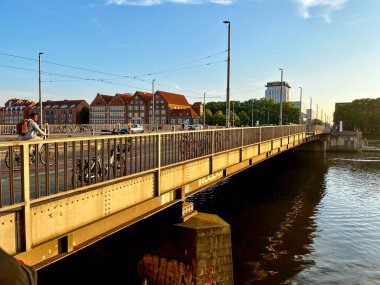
319	8
159	2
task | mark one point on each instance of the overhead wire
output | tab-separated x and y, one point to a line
134	77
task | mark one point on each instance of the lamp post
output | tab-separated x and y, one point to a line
204	110
311	110
228	76
154	122
39	87
316	114
300	105
252	115
322	116
280	122
233	113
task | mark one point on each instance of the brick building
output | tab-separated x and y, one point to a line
61	112
118	108
15	110
186	116
137	111
99	109
164	103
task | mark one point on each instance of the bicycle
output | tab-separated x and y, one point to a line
17	157
88	169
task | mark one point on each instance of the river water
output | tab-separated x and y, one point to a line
297	218
303	218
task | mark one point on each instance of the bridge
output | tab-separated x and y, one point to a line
79	190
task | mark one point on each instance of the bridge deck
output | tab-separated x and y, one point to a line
49	210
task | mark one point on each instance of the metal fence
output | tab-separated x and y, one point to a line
46	167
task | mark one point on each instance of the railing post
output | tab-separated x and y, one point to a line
158	173
26	226
213	142
242	145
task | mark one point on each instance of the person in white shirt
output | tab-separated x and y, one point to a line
34	131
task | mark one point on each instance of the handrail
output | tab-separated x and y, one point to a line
79	162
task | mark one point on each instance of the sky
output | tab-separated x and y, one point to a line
330	48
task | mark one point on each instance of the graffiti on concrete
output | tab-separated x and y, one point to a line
161	271
210	280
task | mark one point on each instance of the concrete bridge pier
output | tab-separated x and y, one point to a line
199	253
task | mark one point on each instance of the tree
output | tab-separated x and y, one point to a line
244	119
209	117
362	114
219	118
84	116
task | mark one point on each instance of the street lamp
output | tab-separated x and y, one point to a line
154	122
252	115
39	87
316	115
300	105
322	116
282	71
204	110
233	113
228	75
311	110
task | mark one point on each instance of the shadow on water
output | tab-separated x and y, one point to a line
270	208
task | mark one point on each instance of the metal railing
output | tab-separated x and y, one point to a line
71	164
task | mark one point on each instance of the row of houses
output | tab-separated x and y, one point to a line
140	107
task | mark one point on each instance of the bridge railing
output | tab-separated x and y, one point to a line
66	165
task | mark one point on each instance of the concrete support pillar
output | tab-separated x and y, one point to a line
199	253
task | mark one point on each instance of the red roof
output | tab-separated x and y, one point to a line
18	102
62	102
106	98
124	96
144	95
174	99
184	112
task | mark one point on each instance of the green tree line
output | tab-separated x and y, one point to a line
250	112
361	114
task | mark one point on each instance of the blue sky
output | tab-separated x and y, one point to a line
331	48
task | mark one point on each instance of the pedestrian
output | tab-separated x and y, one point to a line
129	127
15	272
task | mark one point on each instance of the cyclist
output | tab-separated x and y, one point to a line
34	131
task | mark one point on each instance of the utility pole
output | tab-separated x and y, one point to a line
280	122
154	122
316	114
233	113
228	76
252	115
300	105
322	116
204	110
39	88
311	111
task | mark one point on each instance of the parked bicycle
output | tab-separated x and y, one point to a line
93	171
16	156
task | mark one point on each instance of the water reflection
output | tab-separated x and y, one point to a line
304	218
270	208
298	218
